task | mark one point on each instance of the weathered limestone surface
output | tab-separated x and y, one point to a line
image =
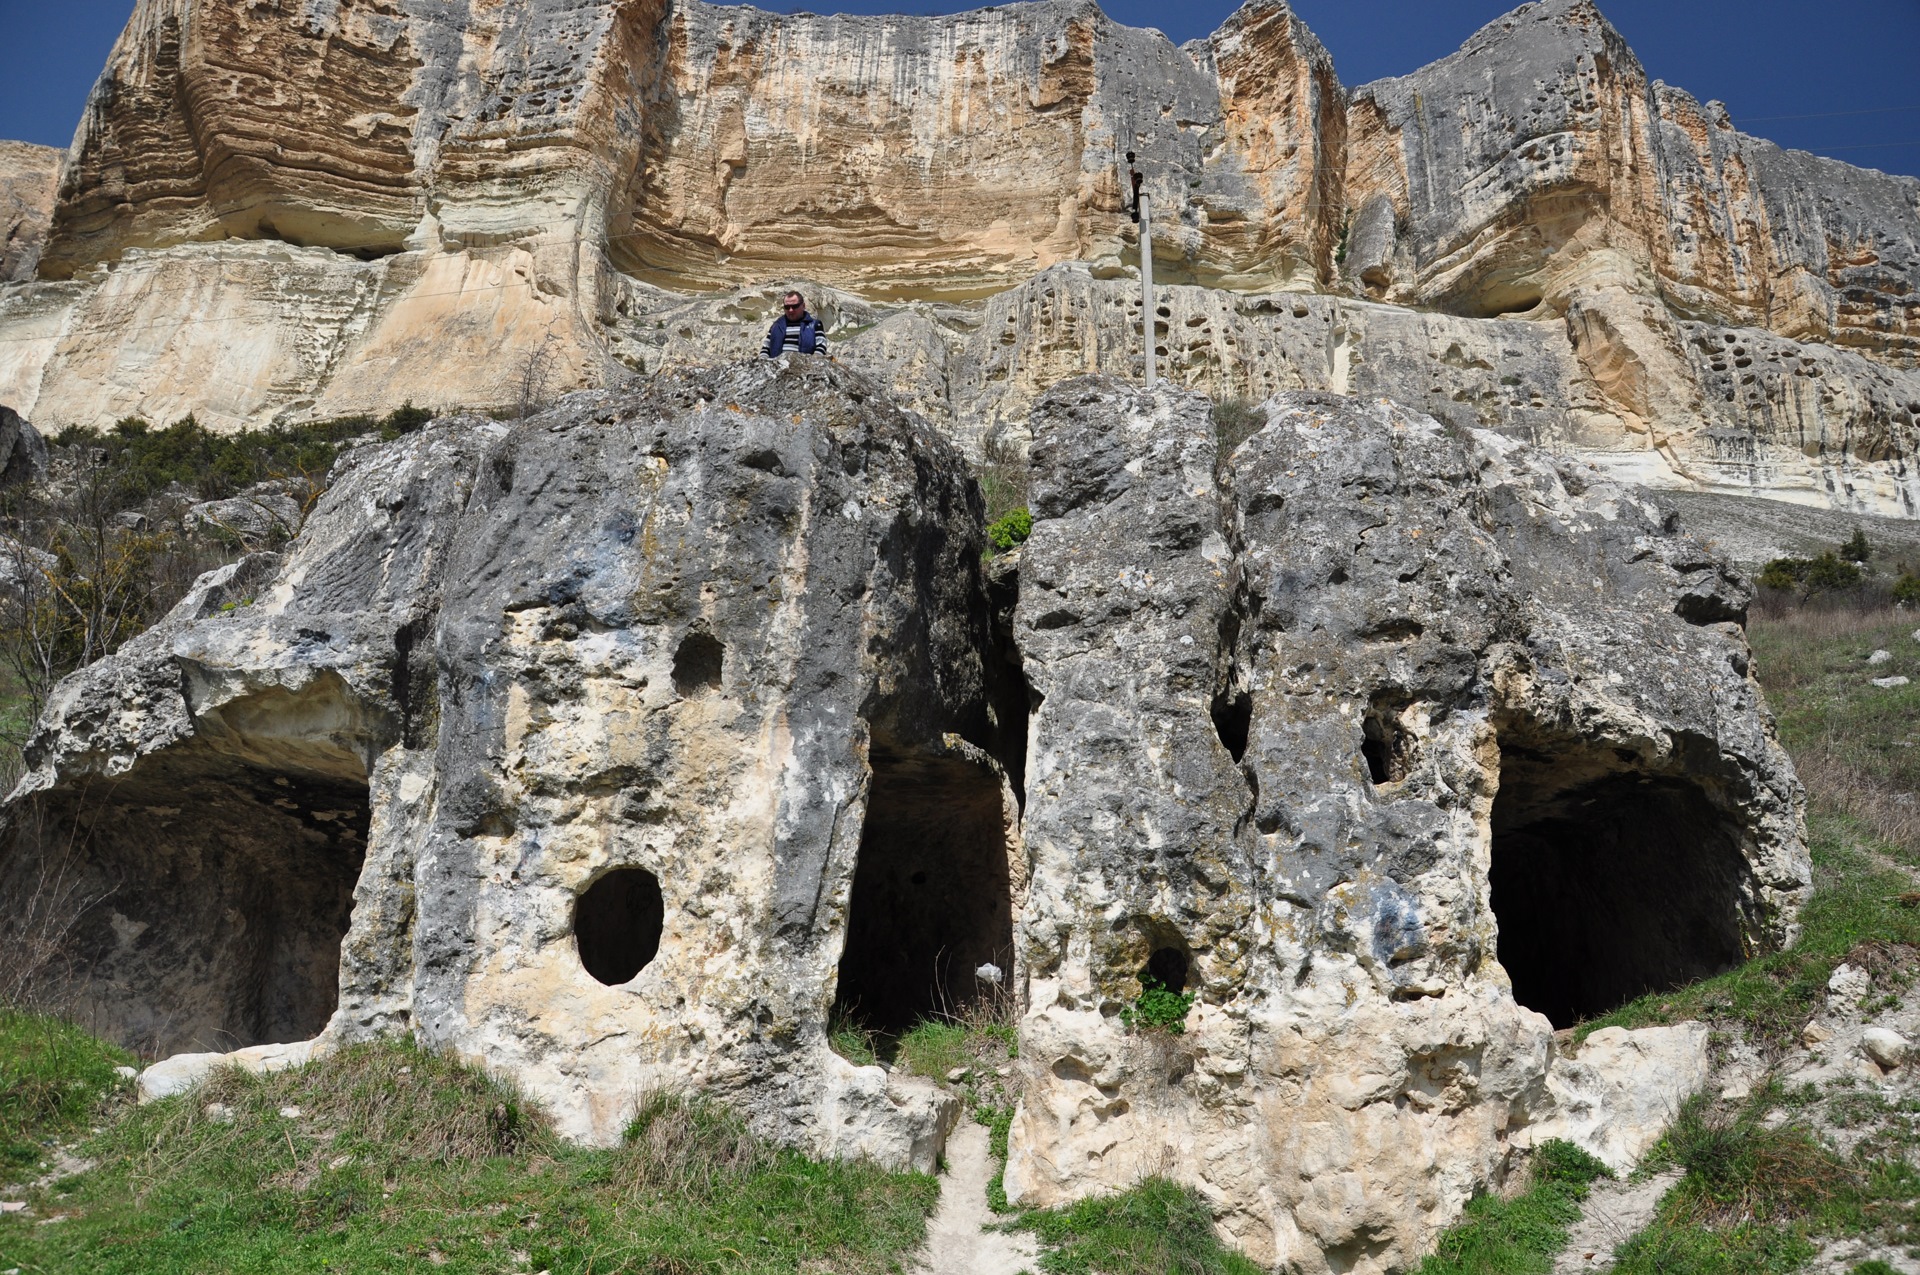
1540	160
28	177
281	213
1395	743
1322	731
1735	410
675	631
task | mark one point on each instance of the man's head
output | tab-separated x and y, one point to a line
793	305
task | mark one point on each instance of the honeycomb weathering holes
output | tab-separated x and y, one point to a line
616	924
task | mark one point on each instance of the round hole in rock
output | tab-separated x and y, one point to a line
1607	882
616	924
932	898
697	664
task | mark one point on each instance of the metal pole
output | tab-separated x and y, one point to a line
1146	285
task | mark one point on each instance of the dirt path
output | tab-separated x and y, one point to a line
1614	1212
958	1242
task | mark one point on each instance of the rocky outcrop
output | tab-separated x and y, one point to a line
29	176
1343	744
638	689
1540	165
471	209
627	747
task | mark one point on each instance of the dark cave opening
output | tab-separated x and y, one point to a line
1168	966
932	897
208	899
1386	745
1608	882
697	664
617	922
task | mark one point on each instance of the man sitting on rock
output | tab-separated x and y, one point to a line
795	329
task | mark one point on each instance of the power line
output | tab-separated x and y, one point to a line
1823	115
1864	146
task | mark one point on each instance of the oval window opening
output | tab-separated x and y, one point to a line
617	924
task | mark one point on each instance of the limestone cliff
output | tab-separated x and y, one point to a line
28	178
275	213
630	746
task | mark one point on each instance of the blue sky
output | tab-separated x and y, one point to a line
1841	78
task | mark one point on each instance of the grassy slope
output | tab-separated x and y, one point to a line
387	1158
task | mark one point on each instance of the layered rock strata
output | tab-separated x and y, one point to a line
273	214
630	746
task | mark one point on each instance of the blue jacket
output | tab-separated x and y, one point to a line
809	335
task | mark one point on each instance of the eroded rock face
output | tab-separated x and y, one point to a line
1344	741
1590	171
593	728
473	208
29	176
623	748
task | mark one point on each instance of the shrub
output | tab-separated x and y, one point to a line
1827	573
1856	549
1158	1008
1906	590
1235	420
1011	531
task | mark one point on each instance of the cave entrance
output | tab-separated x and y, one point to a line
203	900
932	898
1609	882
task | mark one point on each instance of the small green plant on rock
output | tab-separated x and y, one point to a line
1235	420
1010	531
1158	1008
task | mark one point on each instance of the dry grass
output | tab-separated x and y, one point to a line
679	1147
1854	743
1890	814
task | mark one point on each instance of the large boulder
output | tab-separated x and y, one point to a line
560	747
1396	748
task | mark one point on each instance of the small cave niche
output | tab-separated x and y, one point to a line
1386	745
200	901
697	664
1168	967
932	898
617	922
1608	882
1232	711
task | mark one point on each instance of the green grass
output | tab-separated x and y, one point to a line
1753	1194
1520	1236
53	1078
399	1160
1158	1228
1856	745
